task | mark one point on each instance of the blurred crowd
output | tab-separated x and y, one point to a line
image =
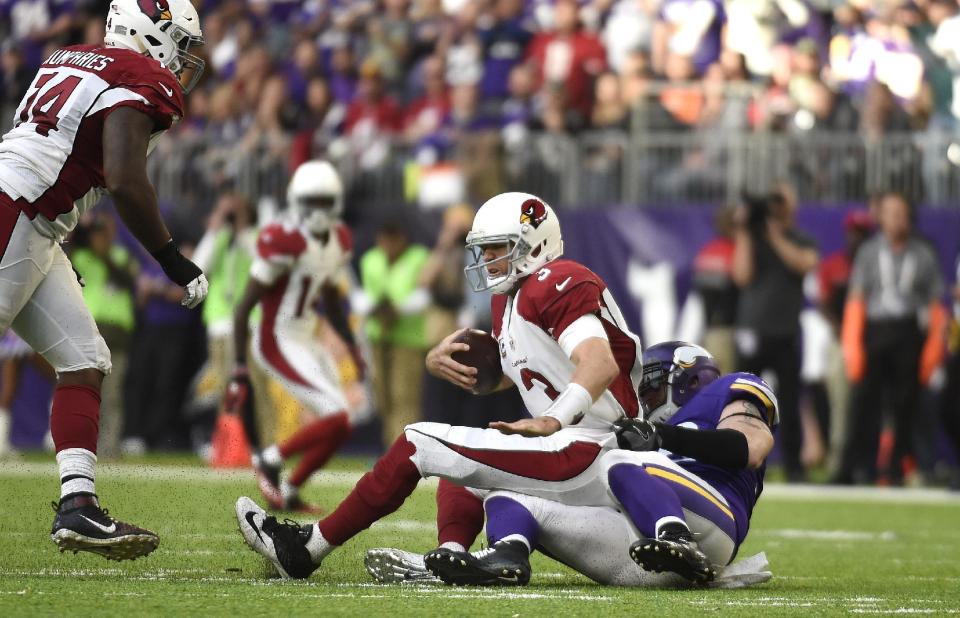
463	85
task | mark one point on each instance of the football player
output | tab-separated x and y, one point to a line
694	468
297	264
563	343
85	126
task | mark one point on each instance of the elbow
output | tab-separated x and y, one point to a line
758	448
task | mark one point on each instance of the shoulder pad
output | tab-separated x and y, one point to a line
280	241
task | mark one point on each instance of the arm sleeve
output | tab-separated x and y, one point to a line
585	327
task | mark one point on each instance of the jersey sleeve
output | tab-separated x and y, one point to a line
749	387
558	295
278	248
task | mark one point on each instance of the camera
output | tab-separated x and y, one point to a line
759	209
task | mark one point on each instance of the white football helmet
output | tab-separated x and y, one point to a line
162	29
315	195
529	228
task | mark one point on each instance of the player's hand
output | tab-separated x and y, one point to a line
634	434
195	292
530	427
441	365
239	390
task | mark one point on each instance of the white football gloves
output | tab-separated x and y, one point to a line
195	292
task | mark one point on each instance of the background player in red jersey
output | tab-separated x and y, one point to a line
86	125
563	343
298	263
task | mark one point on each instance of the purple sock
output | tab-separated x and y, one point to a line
647	499
506	517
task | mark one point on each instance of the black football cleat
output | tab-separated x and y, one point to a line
282	543
81	525
673	553
507	563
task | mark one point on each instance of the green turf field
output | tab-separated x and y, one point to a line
836	552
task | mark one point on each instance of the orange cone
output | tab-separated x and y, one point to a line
230	447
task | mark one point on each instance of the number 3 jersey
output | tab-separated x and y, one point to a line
531	325
51	162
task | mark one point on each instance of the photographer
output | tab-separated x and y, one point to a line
770	259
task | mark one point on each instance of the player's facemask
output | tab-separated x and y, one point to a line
478	273
187	67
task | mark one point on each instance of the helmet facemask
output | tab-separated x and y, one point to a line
317	212
478	273
187	67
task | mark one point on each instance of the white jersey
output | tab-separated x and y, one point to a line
530	324
51	162
296	265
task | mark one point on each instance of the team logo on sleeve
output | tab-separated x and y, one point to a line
156	10
533	212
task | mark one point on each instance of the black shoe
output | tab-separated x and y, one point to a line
282	543
81	525
507	563
674	553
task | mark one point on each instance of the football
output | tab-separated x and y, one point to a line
484	355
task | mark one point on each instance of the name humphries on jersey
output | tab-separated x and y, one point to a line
82	59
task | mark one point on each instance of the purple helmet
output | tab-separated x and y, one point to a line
673	372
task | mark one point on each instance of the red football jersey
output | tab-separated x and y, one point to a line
51	162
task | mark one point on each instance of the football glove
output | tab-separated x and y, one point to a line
184	273
634	434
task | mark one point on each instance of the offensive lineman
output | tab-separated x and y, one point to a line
86	124
296	264
563	342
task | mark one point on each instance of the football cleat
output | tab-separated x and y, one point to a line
81	525
507	563
396	566
674	554
268	481
282	543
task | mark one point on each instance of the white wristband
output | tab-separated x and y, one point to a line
571	405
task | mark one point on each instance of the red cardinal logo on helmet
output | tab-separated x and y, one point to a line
533	212
156	10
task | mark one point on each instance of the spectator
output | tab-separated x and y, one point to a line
16	77
950	398
504	45
771	257
394	305
109	273
688	28
372	118
568	57
425	116
893	336
713	283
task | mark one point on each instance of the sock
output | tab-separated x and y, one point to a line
507	518
336	431
317	546
459	516
4	430
647	499
516	537
453	546
377	494
77	471
270	456
75	418
309	436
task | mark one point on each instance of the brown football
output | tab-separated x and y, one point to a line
484	355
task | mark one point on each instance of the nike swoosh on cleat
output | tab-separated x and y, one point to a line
107	529
249	518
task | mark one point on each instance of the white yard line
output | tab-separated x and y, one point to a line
777	491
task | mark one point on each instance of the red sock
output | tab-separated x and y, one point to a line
377	494
310	436
459	514
75	418
335	435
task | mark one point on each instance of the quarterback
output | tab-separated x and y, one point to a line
297	264
85	126
563	342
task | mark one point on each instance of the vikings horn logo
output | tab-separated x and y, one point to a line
156	10
533	212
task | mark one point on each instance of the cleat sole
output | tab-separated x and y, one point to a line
129	547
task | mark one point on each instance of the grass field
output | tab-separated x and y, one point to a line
831	551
